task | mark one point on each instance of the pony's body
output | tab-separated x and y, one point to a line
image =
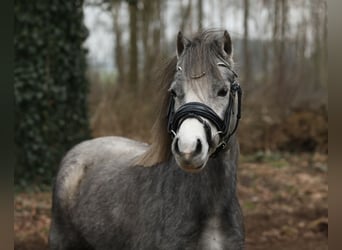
161	207
104	199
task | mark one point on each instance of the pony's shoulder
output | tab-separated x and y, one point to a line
109	152
104	151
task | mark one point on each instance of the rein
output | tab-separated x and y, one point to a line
199	111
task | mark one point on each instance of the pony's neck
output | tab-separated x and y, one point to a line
213	185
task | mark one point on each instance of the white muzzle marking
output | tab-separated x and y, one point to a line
192	144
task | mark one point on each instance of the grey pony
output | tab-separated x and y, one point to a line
117	193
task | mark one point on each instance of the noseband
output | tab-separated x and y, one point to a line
199	111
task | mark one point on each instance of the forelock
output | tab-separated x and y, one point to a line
202	54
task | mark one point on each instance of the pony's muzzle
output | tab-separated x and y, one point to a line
190	153
190	146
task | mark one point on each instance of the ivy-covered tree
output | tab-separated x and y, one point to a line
50	85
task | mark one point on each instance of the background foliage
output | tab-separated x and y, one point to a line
49	84
280	54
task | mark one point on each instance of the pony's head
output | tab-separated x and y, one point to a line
200	111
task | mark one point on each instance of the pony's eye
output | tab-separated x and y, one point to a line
221	64
222	92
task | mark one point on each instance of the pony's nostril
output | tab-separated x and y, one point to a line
198	146
176	146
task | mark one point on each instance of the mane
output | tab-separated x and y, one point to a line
160	148
199	56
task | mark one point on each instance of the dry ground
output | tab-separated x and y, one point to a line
284	199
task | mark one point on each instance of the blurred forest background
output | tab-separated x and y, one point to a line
280	51
87	68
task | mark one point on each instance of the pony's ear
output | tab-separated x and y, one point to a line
227	46
182	42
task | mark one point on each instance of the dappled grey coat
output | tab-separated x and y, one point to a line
116	193
101	203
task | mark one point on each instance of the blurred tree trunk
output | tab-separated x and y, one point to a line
133	53
157	31
302	65
318	16
185	15
265	62
151	35
200	14
282	42
279	40
267	53
162	27
317	43
245	44
325	45
146	16
119	49
275	35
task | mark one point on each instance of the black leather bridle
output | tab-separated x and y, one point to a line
199	111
